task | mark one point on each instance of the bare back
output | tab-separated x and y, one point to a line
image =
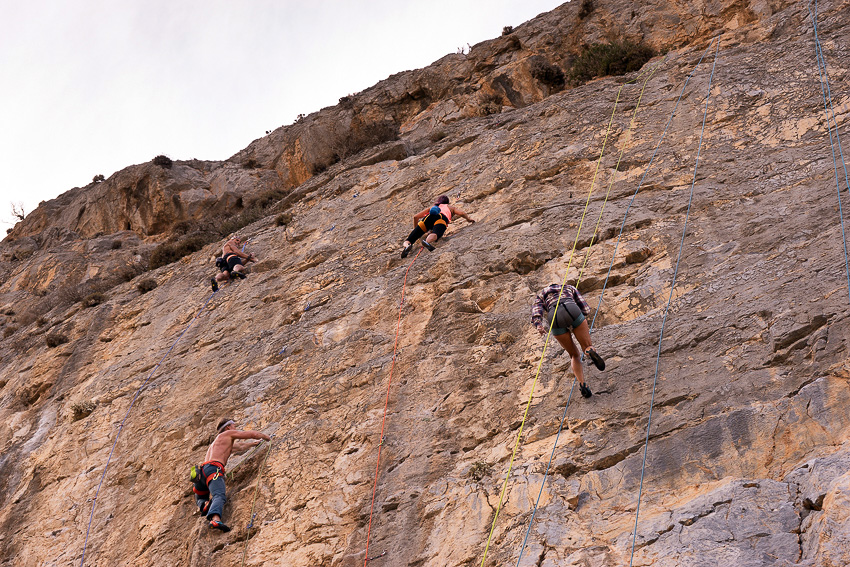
230	248
221	448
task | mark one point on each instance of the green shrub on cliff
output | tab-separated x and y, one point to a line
603	59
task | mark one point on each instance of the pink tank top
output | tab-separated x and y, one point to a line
446	210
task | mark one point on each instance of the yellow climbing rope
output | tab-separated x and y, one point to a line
616	169
566	272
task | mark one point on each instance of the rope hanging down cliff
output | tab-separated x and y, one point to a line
386	405
551	323
670	298
254	501
121	426
605	285
829	111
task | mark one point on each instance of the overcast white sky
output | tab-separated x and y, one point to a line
92	86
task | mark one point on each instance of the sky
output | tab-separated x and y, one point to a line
92	86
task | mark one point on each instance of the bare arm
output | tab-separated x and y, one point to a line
240	446
419	216
248	434
459	212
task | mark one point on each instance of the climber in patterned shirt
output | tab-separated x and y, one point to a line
570	315
209	486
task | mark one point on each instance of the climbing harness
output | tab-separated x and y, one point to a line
386	405
670	299
549	332
121	426
829	111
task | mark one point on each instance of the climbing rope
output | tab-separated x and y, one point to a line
604	286
254	501
121	427
670	300
616	169
587	255
549	332
386	405
826	93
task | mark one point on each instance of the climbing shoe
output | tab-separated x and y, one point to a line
204	508
219	525
214	284
239	275
406	251
428	245
597	360
585	391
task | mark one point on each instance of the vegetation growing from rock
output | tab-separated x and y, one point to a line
146	285
93	299
163	161
191	236
547	73
359	137
53	340
603	59
80	410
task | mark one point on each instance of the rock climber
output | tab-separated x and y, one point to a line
433	221
209	485
231	265
565	315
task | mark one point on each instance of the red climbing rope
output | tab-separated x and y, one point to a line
386	405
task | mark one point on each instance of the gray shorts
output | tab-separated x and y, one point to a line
566	315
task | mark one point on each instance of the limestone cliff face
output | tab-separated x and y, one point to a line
749	447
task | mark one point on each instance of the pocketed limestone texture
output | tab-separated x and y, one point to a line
749	445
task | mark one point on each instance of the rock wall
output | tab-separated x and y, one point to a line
750	438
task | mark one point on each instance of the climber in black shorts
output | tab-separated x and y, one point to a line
231	265
432	221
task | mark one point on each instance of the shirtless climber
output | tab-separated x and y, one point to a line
232	256
434	222
570	315
209	486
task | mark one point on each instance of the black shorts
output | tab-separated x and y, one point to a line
435	223
232	261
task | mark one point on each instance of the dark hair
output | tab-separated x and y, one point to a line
222	423
442	200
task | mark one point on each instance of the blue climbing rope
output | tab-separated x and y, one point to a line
670	300
121	427
830	120
599	304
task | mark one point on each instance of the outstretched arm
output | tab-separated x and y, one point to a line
240	446
248	434
459	212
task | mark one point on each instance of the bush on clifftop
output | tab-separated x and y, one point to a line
603	59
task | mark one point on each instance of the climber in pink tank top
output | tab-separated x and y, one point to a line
432	223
